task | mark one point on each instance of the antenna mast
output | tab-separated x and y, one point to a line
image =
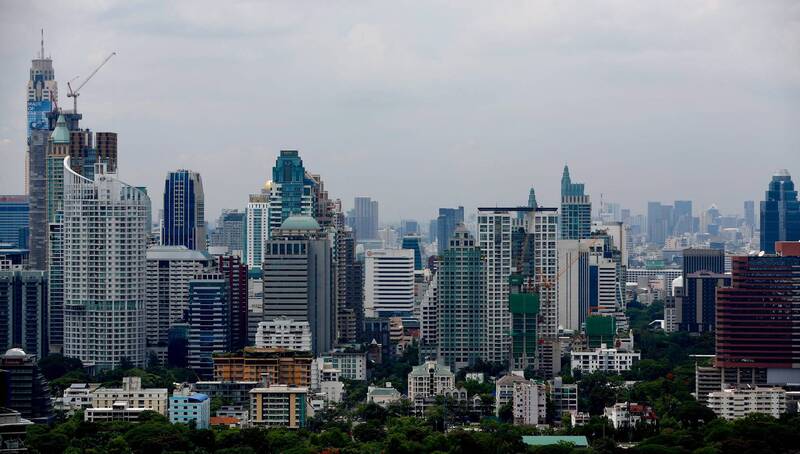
42	54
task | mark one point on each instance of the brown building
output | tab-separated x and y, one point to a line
281	366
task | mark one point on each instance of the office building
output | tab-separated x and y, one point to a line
284	332
659	222
709	260
292	190
409	227
191	408
23	311
169	270
105	263
23	387
446	224
232	269
603	359
460	302
696	301
286	367
365	219
279	406
389	283
750	214
414	243
682	217
14	220
735	403
298	279
756	315
230	231
573	283
780	212
184	222
349	289
208	318
576	209
132	393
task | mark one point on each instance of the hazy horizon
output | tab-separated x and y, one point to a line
421	106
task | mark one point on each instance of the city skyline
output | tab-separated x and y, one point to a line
386	108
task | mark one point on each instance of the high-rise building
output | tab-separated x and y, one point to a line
349	289
573	283
696	300
494	238
750	213
780	212
105	263
208	319
184	220
659	222
757	316
460	323
389	283
257	227
365	218
230	231
235	272
696	259
298	279
292	190
169	271
23	387
23	311
576	209
409	227
14	221
543	226
682	214
414	242
446	224
42	96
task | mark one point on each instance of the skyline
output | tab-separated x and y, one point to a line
373	106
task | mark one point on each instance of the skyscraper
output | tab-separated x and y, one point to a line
697	259
14	219
257	227
460	302
576	209
349	289
682	214
446	224
230	231
184	211
414	242
573	283
209	323
298	279
750	213
780	212
105	262
292	189
659	222
389	283
365	218
23	311
232	269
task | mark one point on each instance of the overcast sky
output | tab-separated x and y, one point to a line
426	104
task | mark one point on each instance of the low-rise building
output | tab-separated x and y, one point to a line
734	403
603	359
284	332
154	399
579	418
352	365
383	395
563	396
504	389
77	397
474	376
232	392
117	411
279	406
529	403
429	379
285	367
187	407
627	414
12	431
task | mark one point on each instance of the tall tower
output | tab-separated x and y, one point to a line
184	211
446	224
365	219
292	190
576	209
105	263
780	212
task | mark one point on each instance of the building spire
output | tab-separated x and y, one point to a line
41	56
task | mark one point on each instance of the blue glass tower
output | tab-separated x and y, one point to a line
184	211
290	174
780	212
446	224
14	211
414	242
576	209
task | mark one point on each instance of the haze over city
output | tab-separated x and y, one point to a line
423	106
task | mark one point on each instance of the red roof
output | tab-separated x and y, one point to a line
223	420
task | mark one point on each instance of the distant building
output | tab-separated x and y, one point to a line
414	243
279	406
383	395
365	219
283	367
529	404
733	403
696	301
184	211
209	321
24	311
23	387
284	332
187	407
629	415
78	396
446	224
235	393
14	220
230	231
429	379
564	397
603	359
389	283
576	209
236	272
132	393
351	365
117	411
780	212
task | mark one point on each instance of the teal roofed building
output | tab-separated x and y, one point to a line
61	133
579	441
299	222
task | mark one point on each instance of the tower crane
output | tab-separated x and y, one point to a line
76	92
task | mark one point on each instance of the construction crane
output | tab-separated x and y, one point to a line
76	92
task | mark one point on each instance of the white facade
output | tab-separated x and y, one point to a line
105	262
625	414
133	394
429	379
118	411
529	403
544	227
77	397
429	312
738	403
603	359
351	365
169	270
573	283
257	222
389	282
494	238
284	332
606	285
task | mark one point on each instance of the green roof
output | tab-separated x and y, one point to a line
523	303
300	223
543	440
61	133
601	325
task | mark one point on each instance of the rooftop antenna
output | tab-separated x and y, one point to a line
42	54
